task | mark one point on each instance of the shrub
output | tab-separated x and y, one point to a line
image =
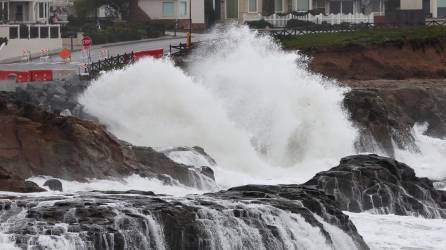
260	24
295	23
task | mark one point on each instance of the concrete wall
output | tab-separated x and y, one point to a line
8	85
14	50
154	9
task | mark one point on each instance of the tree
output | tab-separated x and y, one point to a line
88	8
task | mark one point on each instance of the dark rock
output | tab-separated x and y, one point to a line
380	184
248	217
35	142
53	184
31	187
386	111
207	171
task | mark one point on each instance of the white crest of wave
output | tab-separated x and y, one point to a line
132	182
430	161
246	102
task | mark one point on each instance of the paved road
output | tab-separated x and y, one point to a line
79	57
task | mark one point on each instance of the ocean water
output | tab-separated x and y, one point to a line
260	114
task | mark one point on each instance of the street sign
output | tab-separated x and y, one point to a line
86	42
65	53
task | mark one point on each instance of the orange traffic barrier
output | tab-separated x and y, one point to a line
41	75
156	53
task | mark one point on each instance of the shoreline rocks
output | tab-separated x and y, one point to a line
381	185
385	112
53	185
36	142
249	217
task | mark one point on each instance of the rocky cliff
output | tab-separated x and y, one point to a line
35	142
400	61
385	111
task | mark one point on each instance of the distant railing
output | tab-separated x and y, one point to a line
281	21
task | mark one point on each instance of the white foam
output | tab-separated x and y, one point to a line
400	232
248	104
431	160
133	182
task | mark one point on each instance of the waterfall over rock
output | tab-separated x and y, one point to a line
250	217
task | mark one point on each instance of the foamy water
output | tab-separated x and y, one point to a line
393	232
431	160
133	182
262	116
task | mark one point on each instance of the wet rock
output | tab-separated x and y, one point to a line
35	142
54	96
247	217
385	112
192	156
54	185
207	171
382	185
31	187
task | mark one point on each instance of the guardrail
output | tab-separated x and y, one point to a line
327	28
311	29
117	62
281	21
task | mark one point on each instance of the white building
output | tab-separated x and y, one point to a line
25	11
26	25
343	10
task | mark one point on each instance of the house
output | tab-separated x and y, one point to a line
178	11
24	11
441	8
60	10
26	25
359	10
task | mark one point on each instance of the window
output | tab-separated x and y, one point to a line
347	7
278	6
44	32
5	12
41	10
252	6
54	32
13	32
24	32
319	5
183	8
19	12
168	9
34	32
301	5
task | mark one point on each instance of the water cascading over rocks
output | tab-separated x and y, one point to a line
249	217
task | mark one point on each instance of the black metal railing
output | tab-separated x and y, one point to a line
110	63
344	27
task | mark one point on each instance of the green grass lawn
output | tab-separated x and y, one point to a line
432	35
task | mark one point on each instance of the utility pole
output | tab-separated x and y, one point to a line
190	23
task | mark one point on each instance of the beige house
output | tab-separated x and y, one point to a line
175	11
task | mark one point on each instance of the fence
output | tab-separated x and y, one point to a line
35	31
281	21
